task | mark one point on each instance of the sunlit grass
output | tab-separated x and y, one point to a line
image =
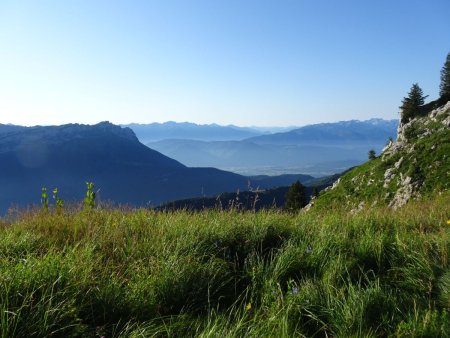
219	273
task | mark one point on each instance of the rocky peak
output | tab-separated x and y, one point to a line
123	132
416	164
439	115
419	127
409	183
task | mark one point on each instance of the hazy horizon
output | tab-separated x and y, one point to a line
204	124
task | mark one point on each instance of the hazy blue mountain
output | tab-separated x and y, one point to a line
7	128
186	130
123	169
352	132
321	149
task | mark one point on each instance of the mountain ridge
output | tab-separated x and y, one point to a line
188	130
332	132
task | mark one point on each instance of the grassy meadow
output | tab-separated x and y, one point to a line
143	273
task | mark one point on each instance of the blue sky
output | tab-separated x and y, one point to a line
264	63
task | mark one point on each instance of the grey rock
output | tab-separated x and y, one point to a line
387	146
335	184
309	206
446	122
359	208
389	174
441	110
398	163
402	196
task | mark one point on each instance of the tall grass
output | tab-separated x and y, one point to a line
141	273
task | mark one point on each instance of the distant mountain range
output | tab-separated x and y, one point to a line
344	133
123	169
320	149
186	130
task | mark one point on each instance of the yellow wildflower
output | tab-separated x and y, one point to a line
448	222
248	307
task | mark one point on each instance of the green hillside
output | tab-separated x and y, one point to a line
416	165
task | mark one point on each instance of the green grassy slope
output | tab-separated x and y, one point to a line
417	164
209	274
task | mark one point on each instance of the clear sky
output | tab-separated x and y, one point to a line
243	62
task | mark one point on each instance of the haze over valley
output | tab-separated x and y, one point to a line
318	150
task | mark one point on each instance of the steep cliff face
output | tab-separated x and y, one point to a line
415	165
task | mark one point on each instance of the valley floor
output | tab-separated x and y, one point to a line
119	273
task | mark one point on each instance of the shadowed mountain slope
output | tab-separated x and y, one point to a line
122	168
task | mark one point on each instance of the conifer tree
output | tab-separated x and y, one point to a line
295	197
410	107
371	154
316	191
445	80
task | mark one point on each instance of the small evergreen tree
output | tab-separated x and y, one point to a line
316	192
410	107
371	154
445	80
295	197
